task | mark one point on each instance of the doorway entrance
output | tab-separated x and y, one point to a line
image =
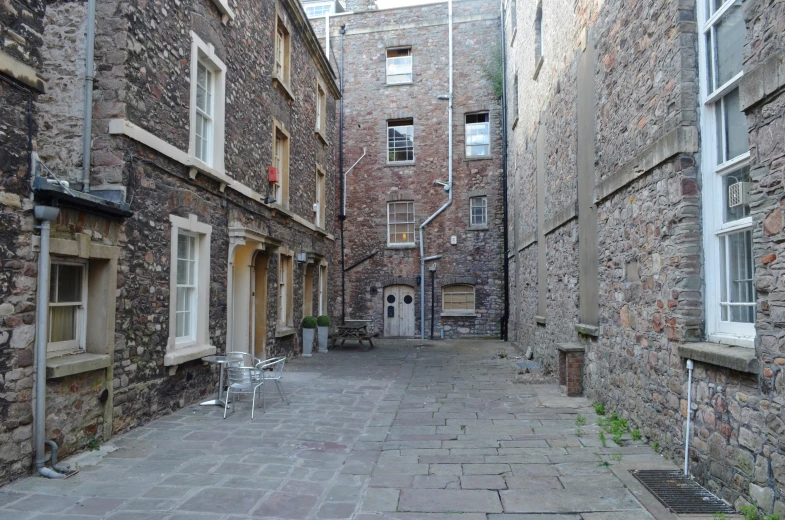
399	311
259	304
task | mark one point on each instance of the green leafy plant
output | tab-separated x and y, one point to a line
493	71
750	512
323	321
309	322
578	431
720	516
580	420
605	464
603	440
655	446
614	425
599	408
93	444
617	457
636	435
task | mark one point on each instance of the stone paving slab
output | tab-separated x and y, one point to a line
442	432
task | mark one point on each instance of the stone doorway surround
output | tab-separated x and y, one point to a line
245	246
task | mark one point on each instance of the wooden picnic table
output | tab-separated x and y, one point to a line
352	331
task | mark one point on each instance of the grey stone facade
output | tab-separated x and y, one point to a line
369	102
647	183
140	150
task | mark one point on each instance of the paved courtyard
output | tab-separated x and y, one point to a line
447	431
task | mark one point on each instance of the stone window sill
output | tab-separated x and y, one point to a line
479	158
537	68
458	314
398	84
394	164
321	137
76	364
186	354
588	330
741	359
226	11
284	86
283	332
401	246
477	228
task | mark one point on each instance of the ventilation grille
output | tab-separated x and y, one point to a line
739	194
680	493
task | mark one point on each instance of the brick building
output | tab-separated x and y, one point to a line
645	219
396	65
202	223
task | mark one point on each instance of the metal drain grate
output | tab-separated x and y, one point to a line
529	365
680	493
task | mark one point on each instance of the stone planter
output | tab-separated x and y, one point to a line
308	342
323	333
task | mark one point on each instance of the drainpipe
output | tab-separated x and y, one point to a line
505	324
45	214
88	97
342	216
449	99
690	366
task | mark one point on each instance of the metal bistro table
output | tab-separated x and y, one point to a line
221	361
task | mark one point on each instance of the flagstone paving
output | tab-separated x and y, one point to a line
439	431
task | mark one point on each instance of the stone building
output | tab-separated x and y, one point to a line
646	164
395	66
203	222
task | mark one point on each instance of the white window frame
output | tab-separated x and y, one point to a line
410	127
320	206
285	290
468	126
322	289
193	303
460	312
740	334
204	53
392	78
484	206
311	7
76	345
407	223
202	232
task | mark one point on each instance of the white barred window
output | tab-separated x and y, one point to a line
730	293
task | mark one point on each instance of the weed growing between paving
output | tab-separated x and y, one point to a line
599	408
615	426
749	512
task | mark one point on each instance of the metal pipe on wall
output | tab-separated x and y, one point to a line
88	97
505	324
449	174
342	216
45	214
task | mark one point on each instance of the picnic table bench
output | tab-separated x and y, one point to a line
352	331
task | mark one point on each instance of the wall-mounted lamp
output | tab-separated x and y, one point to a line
301	258
432	268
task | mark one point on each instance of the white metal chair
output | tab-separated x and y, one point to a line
272	370
243	380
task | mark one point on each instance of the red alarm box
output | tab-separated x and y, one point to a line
272	174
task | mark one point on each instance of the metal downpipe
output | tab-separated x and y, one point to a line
45	214
449	174
88	97
505	324
342	216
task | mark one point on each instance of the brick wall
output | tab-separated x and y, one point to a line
368	104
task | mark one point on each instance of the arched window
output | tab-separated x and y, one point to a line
457	300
